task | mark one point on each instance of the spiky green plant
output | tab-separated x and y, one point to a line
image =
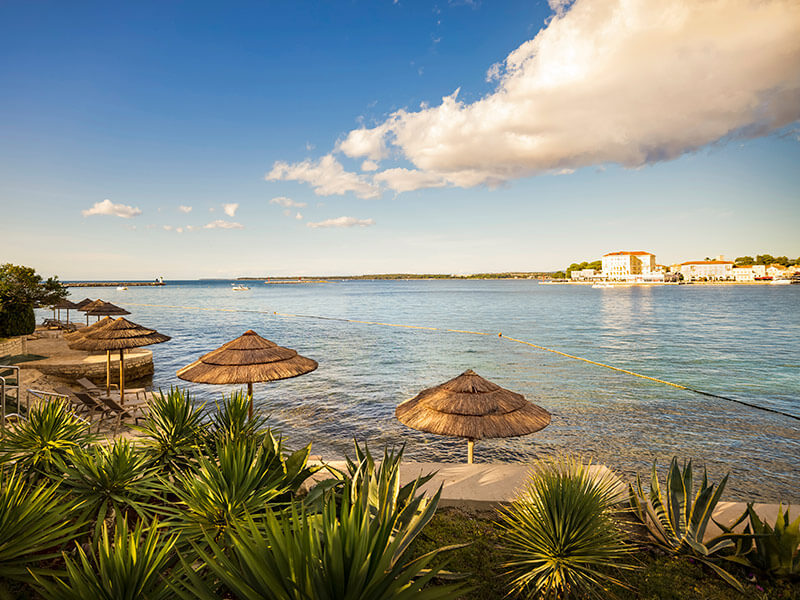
243	477
231	418
34	522
50	433
173	430
677	521
775	551
561	535
115	480
345	552
129	567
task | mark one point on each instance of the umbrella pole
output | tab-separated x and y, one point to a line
108	372
250	394
121	376
470	448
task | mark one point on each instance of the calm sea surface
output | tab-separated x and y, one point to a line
737	341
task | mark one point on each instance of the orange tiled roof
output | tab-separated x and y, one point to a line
708	262
637	253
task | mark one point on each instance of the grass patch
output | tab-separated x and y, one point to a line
660	577
19	358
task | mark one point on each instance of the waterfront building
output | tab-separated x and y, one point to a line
711	270
777	271
630	266
585	275
743	273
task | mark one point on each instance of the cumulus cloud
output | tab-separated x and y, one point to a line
606	82
407	180
107	207
230	209
220	224
342	222
326	176
185	209
167	227
369	165
286	202
299	216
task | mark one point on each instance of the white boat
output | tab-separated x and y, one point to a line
121	288
780	282
239	287
602	285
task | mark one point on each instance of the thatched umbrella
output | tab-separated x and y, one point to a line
85	306
84	302
75	336
63	304
100	308
472	407
248	359
120	335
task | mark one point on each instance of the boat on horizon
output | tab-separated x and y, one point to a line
122	288
239	287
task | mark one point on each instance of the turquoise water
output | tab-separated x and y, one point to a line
737	341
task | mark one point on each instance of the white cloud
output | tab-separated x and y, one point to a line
230	209
326	176
167	227
369	165
299	216
607	82
179	229
107	207
185	209
342	222
287	202
220	224
407	180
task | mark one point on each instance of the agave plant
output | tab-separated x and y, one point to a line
678	522
116	480
346	551
245	476
34	523
561	535
231	418
128	568
774	551
50	434
173	430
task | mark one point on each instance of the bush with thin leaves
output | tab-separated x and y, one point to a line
677	521
51	433
111	481
231	419
346	551
129	567
35	520
561	534
243	476
173	430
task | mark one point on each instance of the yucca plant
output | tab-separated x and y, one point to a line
345	552
243	477
173	430
51	433
231	418
128	567
775	551
561	535
116	480
677	520
35	520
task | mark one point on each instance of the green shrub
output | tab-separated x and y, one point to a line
16	319
130	567
50	434
231	418
677	521
560	534
34	522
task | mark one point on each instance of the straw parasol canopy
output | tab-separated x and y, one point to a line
120	334
472	407
66	305
83	303
101	308
79	334
248	359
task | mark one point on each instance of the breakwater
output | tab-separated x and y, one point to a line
114	284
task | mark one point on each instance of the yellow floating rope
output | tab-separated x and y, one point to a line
466	331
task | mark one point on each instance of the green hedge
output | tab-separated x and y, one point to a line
17	320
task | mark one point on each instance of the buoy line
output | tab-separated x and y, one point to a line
483	333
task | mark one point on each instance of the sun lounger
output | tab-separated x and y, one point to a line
135	412
89	404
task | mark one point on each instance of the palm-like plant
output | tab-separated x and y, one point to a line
116	479
51	433
243	477
173	430
128	568
231	418
561	534
346	551
677	521
34	522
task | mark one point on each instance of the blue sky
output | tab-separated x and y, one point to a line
313	138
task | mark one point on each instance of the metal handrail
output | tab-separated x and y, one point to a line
3	386
44	395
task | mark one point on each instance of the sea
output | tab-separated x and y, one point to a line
741	342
